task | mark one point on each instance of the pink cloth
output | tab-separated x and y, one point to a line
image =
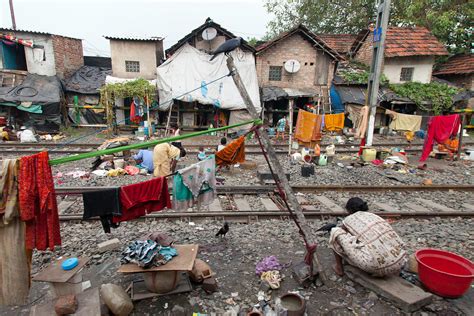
440	129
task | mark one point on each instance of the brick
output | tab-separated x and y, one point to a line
400	292
66	305
109	245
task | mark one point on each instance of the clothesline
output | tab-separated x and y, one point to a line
146	144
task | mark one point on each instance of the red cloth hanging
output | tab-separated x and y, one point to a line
142	198
133	113
37	200
440	129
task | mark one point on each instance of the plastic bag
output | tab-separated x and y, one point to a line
116	299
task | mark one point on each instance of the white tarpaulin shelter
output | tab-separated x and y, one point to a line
188	69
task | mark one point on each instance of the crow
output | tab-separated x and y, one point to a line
227	47
224	229
327	227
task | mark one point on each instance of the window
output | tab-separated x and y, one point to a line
132	66
275	73
406	74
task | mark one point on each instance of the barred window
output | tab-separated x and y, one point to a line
274	73
406	74
132	66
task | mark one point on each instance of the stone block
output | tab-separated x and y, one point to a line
66	305
109	245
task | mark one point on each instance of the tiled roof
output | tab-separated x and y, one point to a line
405	41
10	30
457	64
308	35
341	43
138	39
208	23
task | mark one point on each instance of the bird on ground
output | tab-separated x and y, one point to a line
227	47
327	227
224	230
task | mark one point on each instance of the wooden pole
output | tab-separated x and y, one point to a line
290	133
458	156
279	175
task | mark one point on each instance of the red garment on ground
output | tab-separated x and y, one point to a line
37	200
142	198
440	129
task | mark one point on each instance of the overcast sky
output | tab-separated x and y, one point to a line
171	19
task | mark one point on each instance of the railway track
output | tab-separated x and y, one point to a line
252	149
233	203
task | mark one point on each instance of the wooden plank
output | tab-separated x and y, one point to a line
215	206
402	293
242	204
269	205
54	272
386	207
330	204
436	206
184	261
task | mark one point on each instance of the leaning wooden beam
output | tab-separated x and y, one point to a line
275	165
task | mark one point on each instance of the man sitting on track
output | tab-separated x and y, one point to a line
367	242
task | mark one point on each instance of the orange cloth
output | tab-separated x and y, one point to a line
334	122
232	153
308	127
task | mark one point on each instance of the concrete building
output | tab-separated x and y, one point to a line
135	57
40	53
315	63
410	53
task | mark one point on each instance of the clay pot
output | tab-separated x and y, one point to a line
161	281
294	304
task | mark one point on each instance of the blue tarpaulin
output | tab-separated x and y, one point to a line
336	102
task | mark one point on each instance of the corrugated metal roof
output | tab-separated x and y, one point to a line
138	39
3	29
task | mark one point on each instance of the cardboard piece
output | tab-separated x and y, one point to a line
88	303
138	290
184	261
55	274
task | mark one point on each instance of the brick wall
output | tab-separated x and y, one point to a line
68	55
364	55
293	47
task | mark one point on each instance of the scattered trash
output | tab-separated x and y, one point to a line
267	264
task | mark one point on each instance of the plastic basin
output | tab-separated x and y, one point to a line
444	273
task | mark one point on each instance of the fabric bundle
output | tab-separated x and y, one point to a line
147	253
38	205
15	259
440	129
308	127
334	122
195	184
404	122
232	154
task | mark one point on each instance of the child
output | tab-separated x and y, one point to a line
223	144
281	126
202	154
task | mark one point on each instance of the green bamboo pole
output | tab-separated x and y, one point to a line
92	154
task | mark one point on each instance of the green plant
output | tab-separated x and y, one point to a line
438	95
360	77
136	88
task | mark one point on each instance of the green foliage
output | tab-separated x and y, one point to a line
449	20
136	88
439	95
360	77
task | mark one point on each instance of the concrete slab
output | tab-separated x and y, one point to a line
215	206
333	207
269	204
402	293
436	206
468	207
242	204
64	206
309	208
417	207
301	199
386	207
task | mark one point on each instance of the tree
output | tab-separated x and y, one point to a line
449	20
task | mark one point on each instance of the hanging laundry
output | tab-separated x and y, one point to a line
334	122
404	122
440	129
38	206
232	153
195	184
103	203
143	198
308	127
361	126
134	113
9	190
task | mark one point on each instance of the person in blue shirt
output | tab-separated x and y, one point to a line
145	159
281	126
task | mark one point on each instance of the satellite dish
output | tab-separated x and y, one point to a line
209	33
292	66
